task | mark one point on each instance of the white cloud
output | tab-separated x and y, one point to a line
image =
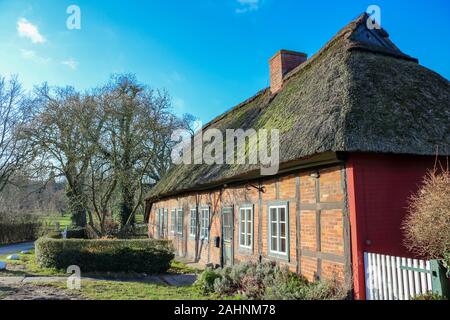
28	30
32	56
248	5
71	63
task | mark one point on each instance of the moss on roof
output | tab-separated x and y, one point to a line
350	96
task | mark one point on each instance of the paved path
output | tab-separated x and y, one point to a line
15	248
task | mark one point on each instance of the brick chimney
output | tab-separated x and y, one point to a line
280	64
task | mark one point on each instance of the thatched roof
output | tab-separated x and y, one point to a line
358	93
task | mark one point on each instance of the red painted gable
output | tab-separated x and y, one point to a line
379	186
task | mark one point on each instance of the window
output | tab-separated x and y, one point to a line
204	223
246	227
193	226
173	219
227	224
166	222
180	220
159	222
278	229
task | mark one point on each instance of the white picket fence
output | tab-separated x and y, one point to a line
387	278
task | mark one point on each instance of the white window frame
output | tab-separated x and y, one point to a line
180	221
246	232
277	252
204	223
193	224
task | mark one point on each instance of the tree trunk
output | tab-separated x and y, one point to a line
77	208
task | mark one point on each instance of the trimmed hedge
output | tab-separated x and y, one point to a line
72	233
146	256
19	232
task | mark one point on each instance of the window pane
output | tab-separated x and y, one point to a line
242	241
249	227
282	214
273	214
249	240
283	229
283	245
249	215
274	245
274	229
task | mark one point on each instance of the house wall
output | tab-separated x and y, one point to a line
379	187
318	222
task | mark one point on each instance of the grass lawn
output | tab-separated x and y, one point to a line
107	289
124	290
65	220
27	266
50	221
181	268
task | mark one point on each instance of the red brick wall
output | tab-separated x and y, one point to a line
316	209
282	63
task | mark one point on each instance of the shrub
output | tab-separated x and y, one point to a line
137	231
205	281
267	281
76	233
429	296
146	256
287	286
19	232
72	233
427	226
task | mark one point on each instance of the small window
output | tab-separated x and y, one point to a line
166	222
173	219
204	223
246	227
278	229
180	221
158	222
193	226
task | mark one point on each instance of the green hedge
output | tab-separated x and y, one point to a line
72	233
19	232
146	256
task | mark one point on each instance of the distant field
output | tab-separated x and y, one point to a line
140	218
53	219
65	220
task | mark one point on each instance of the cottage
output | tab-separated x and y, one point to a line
360	123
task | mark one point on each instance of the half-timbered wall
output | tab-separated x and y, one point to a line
317	222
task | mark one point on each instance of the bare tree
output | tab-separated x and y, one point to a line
15	112
136	139
63	133
101	187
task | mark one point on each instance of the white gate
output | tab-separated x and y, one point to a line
395	278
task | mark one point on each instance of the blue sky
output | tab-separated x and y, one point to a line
209	54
